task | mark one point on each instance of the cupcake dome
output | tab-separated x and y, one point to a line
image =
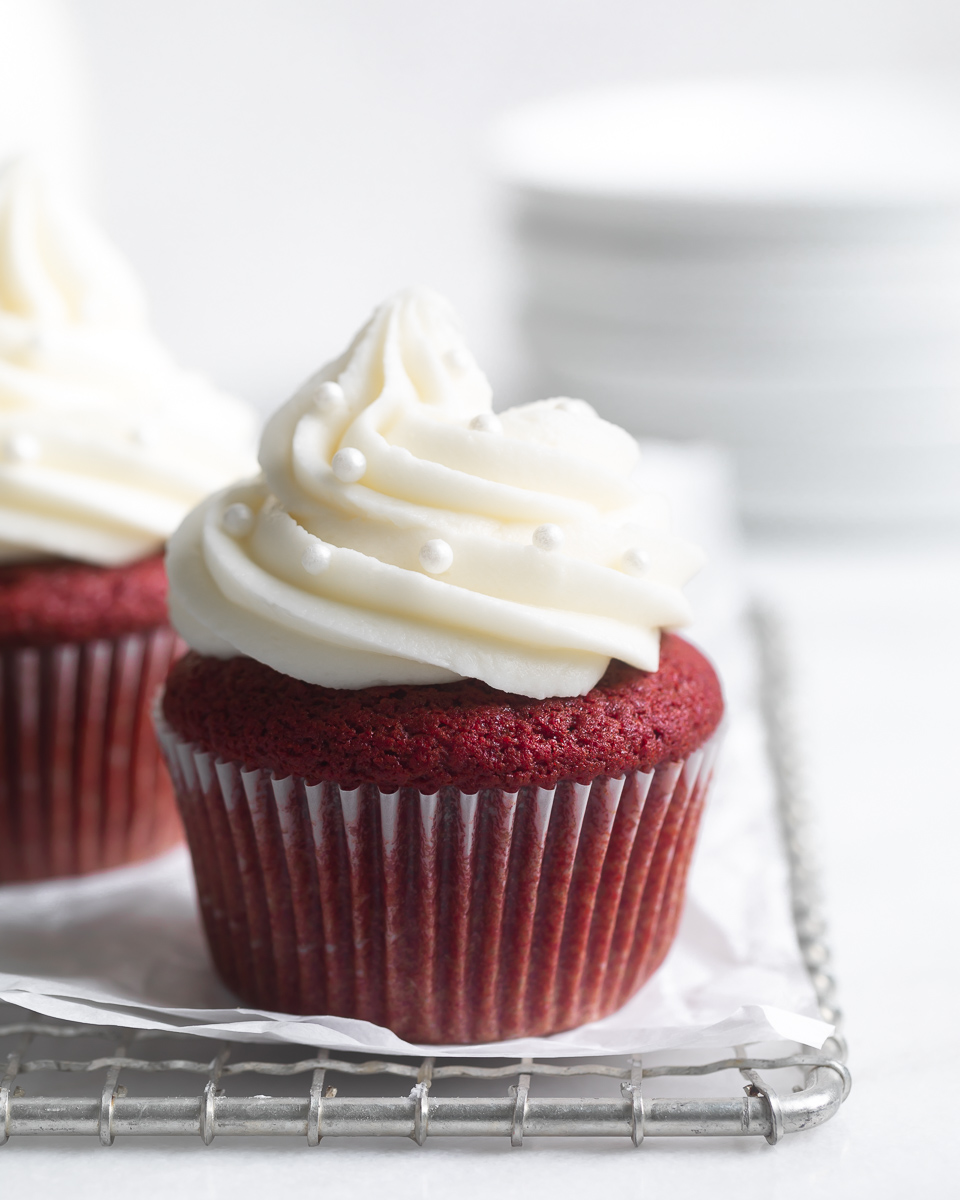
465	735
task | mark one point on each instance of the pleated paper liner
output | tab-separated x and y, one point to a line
446	917
82	784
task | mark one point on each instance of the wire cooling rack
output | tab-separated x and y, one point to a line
43	1092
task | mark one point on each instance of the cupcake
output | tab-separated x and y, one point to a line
104	445
439	764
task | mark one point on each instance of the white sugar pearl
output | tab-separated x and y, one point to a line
458	359
316	558
548	537
436	556
349	465
329	396
487	422
636	560
21	447
237	520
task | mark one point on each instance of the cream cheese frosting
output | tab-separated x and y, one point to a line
402	532
105	443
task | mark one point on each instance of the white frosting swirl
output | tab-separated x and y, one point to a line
402	533
104	443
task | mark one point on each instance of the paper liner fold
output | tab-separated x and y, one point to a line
82	786
447	917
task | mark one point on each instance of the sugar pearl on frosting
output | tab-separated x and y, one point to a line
316	558
21	447
548	537
636	560
436	556
237	520
487	422
458	358
329	396
349	465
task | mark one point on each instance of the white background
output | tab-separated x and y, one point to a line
273	168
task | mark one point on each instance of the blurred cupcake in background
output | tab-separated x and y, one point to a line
104	445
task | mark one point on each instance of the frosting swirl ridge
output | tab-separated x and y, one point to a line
105	443
402	532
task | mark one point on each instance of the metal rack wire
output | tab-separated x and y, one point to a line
317	1111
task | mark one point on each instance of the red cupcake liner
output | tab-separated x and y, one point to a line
82	785
446	917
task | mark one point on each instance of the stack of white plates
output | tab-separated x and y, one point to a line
773	265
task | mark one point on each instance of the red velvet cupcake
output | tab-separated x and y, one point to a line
104	445
439	769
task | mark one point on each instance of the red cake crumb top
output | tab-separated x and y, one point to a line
64	601
465	734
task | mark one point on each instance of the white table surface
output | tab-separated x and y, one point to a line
875	637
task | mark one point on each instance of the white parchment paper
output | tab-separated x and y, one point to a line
126	948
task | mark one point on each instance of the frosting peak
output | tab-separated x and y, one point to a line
57	269
104	442
404	533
